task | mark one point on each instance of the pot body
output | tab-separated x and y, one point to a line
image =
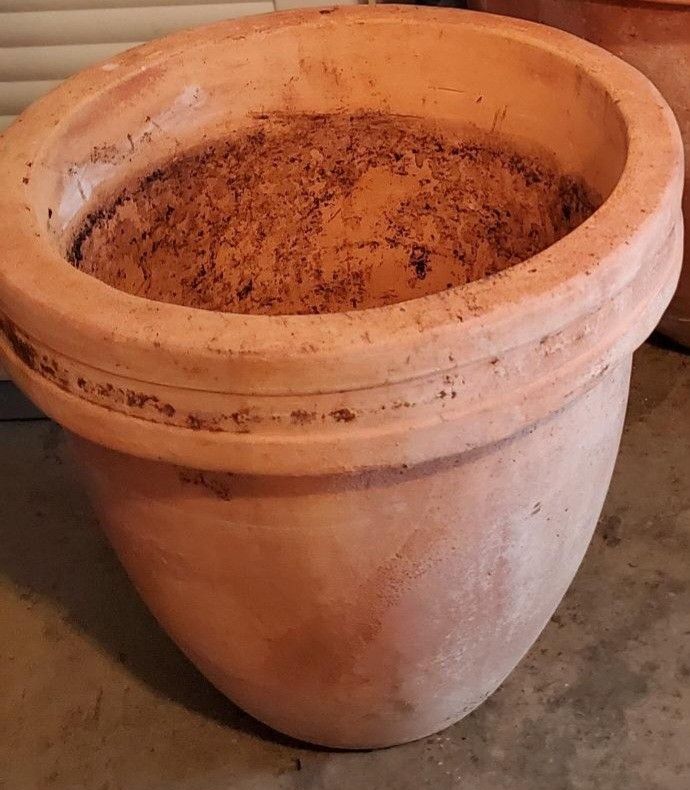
653	37
354	523
369	609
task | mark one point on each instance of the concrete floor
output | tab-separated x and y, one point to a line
94	695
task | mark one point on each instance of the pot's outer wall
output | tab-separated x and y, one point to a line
369	610
653	37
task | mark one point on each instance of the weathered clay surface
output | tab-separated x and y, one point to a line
655	38
362	611
354	522
323	213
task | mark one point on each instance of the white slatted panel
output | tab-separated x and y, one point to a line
109	25
55	62
16	95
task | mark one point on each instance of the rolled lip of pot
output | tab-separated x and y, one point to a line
335	364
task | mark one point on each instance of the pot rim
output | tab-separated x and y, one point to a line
81	316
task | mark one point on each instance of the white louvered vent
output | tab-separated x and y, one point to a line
44	41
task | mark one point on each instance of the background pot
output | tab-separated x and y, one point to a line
654	37
367	573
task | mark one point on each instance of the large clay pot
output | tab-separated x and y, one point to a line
355	524
654	37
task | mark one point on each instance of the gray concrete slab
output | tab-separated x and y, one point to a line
94	695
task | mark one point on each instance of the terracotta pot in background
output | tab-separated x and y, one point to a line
654	37
369	573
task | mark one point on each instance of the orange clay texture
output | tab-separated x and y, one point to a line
327	213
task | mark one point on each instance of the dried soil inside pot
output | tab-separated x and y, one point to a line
325	213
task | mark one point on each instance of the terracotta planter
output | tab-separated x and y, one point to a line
655	38
354	523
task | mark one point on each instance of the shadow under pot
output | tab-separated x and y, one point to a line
343	338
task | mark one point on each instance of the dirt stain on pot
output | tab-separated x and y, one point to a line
23	350
326	213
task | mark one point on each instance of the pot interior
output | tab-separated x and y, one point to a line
329	165
325	213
